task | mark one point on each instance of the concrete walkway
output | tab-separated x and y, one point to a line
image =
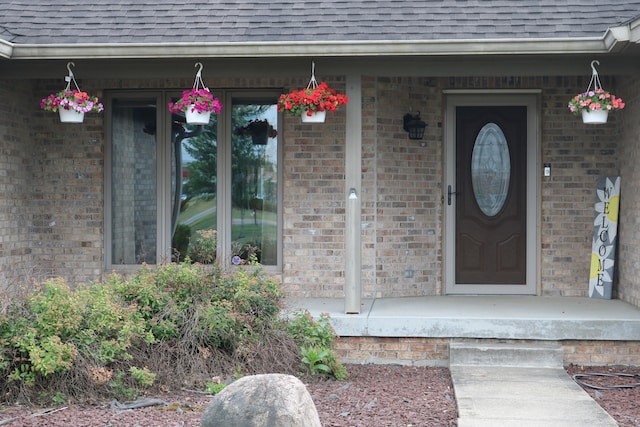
504	385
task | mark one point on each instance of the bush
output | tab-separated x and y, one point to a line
179	321
168	326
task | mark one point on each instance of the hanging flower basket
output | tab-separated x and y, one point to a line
259	130
595	104
71	104
197	103
307	103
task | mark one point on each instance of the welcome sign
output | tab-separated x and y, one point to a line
605	236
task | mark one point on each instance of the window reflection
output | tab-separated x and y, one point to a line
133	182
194	194
254	195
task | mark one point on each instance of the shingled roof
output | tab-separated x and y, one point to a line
121	22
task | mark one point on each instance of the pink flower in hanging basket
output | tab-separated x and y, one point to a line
198	100
71	100
595	100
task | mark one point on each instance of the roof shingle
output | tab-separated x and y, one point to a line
241	21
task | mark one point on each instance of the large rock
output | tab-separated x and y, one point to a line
270	400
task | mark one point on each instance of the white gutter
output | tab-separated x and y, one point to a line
610	42
629	33
6	49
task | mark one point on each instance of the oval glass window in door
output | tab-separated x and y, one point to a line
490	169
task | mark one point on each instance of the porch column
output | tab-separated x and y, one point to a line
353	194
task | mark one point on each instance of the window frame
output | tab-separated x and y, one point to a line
163	174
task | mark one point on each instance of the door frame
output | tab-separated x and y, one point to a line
531	100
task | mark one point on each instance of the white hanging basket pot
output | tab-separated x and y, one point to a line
195	117
594	97
70	116
69	101
315	117
595	116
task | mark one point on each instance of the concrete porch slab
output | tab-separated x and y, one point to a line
501	317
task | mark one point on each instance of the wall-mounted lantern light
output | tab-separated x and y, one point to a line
413	125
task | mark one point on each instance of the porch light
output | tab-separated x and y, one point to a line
414	125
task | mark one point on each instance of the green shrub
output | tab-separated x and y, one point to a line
45	333
315	338
175	320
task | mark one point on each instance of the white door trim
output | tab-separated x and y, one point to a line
530	99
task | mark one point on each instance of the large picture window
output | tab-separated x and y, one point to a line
207	193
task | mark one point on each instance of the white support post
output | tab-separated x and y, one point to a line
353	195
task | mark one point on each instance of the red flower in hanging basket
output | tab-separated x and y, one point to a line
310	100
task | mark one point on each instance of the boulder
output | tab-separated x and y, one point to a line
269	400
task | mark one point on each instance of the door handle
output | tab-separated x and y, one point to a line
449	194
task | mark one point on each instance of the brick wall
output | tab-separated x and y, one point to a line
402	183
314	196
578	154
16	160
435	351
66	195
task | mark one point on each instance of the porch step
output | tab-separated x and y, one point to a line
540	354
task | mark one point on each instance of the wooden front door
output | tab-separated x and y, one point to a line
491	196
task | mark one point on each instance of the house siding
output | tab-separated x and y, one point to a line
59	225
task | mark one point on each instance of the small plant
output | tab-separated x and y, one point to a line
143	376
215	387
314	358
120	388
316	339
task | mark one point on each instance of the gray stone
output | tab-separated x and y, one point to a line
269	400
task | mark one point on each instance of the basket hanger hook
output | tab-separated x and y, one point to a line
595	79
313	83
198	80
70	78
